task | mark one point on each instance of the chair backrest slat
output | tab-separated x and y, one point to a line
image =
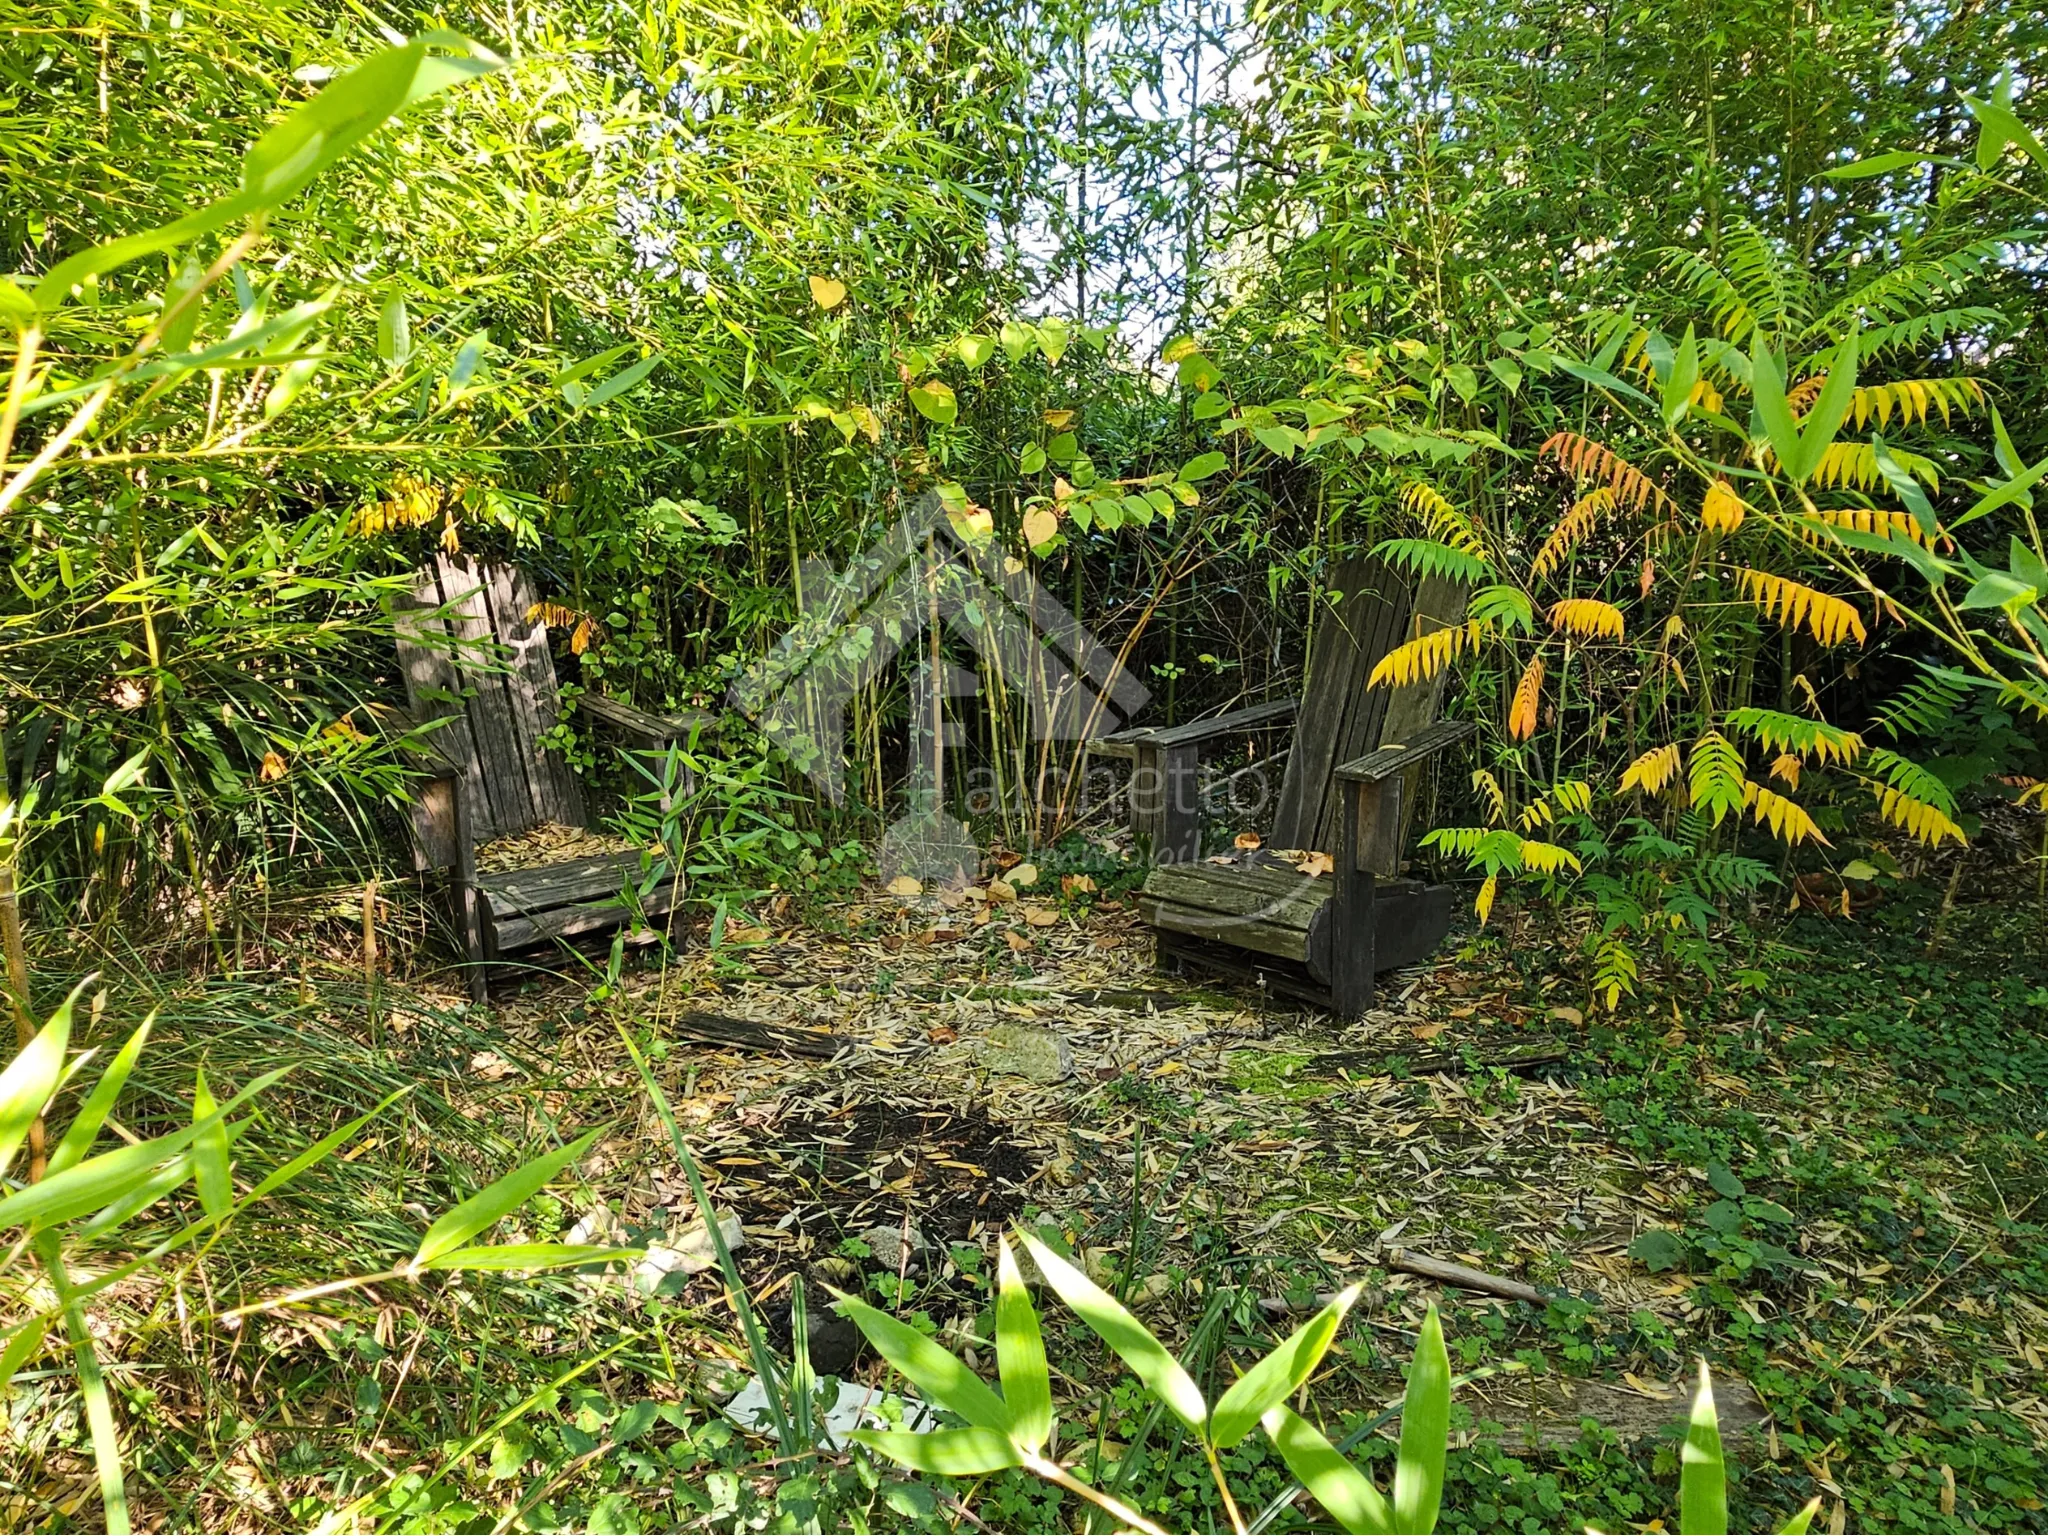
1340	717
467	650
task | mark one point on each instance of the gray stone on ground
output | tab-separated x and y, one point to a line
1025	1050
930	847
887	1244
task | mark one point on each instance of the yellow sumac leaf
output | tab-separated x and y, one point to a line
1723	510
1652	771
1584	516
1423	657
1496	802
1785	768
1928	823
1828	619
1788	821
1528	693
1443	521
1588	618
1882	521
1548	858
1487	891
1911	398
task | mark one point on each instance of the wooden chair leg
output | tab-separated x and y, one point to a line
1166	802
472	910
1351	918
479	986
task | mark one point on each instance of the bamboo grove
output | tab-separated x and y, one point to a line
1724	414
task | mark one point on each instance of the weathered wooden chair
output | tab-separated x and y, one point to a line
473	658
1348	792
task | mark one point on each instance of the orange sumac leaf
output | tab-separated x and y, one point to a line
1522	718
1589	460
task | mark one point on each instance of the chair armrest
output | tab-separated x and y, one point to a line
645	729
442	838
1197	731
1397	757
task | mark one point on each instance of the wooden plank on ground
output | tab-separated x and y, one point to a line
759	1035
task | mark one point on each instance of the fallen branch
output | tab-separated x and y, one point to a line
754	1034
1402	1261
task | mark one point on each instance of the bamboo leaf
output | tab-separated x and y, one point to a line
100	1180
1825	419
1279	1375
33	1075
286	158
943	1452
1767	390
1425	1431
504	1256
92	1114
932	1370
623	380
1132	1341
1020	1355
1683	378
493	1204
1702	1473
22	1345
282	1175
1346	1492
210	1175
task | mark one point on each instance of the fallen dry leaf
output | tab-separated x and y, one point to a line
1040	917
1569	1015
1315	865
1002	890
1017	941
942	1034
1425	1031
1023	875
1247	840
905	885
1074	885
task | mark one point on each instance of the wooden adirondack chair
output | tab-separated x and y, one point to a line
471	656
1347	792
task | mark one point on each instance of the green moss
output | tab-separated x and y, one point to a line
1272	1074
